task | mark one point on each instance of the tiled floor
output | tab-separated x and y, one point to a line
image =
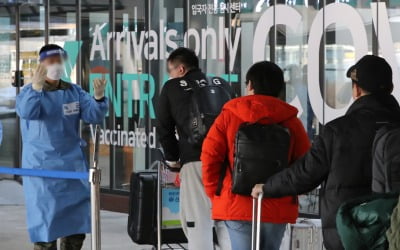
13	235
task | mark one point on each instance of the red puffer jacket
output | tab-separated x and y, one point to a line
220	141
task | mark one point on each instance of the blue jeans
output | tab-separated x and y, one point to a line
240	233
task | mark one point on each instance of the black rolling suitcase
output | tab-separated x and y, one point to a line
145	220
142	219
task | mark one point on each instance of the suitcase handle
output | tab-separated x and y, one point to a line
256	222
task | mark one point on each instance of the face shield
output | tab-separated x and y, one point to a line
55	62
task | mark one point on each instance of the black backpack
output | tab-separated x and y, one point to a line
208	96
386	159
261	150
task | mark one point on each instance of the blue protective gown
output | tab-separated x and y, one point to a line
50	134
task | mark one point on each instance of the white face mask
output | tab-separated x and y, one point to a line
55	71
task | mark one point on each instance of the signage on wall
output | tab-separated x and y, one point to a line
221	8
154	45
342	15
211	43
123	138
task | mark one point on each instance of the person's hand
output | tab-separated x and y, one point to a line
39	77
174	164
257	190
99	85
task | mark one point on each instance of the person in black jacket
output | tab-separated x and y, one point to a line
340	157
173	114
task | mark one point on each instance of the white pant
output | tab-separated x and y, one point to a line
195	212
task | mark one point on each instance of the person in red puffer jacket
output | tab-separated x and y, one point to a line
264	83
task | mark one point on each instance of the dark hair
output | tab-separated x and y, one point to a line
185	56
266	78
48	47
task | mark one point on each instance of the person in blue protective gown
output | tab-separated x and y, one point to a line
50	110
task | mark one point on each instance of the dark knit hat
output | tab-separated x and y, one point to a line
372	74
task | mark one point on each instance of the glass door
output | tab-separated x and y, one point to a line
8	147
22	33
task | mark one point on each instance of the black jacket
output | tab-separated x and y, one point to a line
340	160
172	114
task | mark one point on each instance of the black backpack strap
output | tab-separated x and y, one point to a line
225	167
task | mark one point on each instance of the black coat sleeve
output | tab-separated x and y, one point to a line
166	127
305	174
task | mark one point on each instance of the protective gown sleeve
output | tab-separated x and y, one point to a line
92	111
305	174
28	103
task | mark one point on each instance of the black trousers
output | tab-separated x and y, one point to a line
72	242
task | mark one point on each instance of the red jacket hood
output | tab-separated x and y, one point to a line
254	107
